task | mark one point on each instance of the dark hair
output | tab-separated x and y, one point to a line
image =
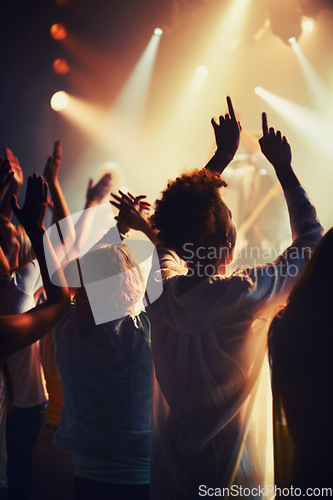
190	210
302	326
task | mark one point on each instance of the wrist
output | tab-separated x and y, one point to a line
52	182
287	177
90	204
123	230
223	155
219	161
150	232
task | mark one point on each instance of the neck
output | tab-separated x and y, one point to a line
198	271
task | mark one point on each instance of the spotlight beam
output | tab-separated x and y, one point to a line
314	126
319	92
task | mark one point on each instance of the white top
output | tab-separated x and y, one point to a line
17	296
208	347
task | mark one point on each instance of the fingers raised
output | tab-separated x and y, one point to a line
264	125
231	109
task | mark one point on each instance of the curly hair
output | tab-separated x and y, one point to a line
191	210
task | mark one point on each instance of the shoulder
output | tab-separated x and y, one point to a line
27	276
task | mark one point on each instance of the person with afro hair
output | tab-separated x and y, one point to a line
209	329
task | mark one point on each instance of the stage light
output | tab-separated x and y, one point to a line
58	31
158	31
59	100
307	25
60	66
202	71
292	40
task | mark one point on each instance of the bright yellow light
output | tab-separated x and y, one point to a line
314	126
202	71
59	100
292	40
58	31
307	25
319	91
158	31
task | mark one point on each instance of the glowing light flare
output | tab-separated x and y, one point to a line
202	71
119	127
191	136
60	66
88	118
307	26
59	100
319	92
292	40
315	127
158	31
229	30
133	97
58	31
222	36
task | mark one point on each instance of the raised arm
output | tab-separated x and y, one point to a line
19	331
227	134
14	186
94	197
60	207
274	281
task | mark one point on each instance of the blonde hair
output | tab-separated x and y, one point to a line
119	262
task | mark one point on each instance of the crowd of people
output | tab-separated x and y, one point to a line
144	382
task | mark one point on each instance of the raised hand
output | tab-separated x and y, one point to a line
227	132
6	174
31	215
14	185
15	166
133	211
96	194
278	152
275	147
53	163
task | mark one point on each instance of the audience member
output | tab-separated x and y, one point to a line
300	342
208	339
